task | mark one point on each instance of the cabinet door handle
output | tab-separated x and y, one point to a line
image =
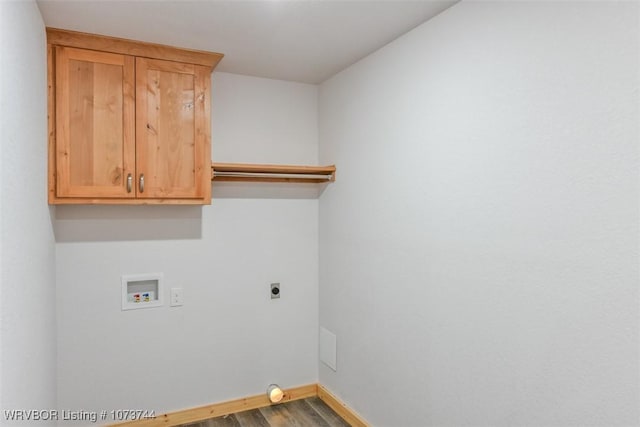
129	182
142	183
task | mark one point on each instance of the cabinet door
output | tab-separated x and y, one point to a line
95	123
172	130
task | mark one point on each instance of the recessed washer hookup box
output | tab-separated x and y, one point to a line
141	291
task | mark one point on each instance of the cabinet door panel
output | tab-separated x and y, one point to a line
172	138
95	123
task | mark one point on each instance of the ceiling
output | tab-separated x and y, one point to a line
298	40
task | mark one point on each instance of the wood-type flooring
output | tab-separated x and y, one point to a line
309	412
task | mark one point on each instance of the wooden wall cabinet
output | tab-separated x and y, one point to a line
129	122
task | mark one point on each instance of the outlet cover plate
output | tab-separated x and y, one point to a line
177	297
275	290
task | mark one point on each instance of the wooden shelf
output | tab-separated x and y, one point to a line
246	172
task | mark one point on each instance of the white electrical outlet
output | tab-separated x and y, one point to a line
177	297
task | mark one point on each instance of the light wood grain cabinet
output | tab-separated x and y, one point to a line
124	128
172	149
95	124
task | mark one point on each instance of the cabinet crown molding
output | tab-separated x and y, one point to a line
58	37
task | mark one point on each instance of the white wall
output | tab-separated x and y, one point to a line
27	313
230	339
479	250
